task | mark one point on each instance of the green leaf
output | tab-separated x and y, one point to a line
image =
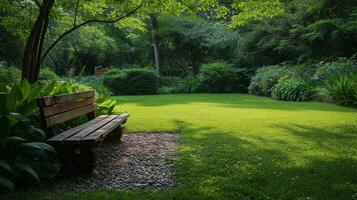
40	132
48	89
5	165
3	106
40	146
15	139
28	169
35	92
17	117
6	183
25	87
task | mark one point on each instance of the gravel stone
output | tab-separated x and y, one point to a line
139	161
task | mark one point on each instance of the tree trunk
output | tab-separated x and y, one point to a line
155	41
31	62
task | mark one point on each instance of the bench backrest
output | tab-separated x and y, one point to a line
61	108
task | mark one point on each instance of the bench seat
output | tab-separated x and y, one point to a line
89	133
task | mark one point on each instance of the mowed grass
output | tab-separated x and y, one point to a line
236	146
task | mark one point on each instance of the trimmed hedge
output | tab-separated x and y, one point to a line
218	77
132	81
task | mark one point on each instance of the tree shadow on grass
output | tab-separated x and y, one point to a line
342	136
222	165
216	164
241	101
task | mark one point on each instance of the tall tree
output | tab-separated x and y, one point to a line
155	41
120	13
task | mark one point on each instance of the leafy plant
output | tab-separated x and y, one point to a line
342	89
189	84
47	74
218	77
105	105
94	82
328	70
9	75
263	82
292	90
166	90
132	82
64	87
24	157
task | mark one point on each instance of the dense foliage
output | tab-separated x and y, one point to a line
265	79
24	157
218	77
292	90
132	81
9	75
342	89
331	82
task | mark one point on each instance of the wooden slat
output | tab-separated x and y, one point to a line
98	134
61	108
60	137
65	98
83	133
56	119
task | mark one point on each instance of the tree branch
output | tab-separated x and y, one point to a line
75	14
86	23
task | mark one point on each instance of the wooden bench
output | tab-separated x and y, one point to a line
75	146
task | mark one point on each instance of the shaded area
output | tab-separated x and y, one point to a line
223	165
139	161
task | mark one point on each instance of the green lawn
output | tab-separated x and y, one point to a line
236	146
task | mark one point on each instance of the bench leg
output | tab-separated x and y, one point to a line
87	159
67	157
116	135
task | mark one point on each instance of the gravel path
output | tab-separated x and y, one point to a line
139	161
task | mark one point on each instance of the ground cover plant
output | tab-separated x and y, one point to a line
237	146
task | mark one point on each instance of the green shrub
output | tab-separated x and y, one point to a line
113	72
49	75
105	105
94	82
244	77
292	90
328	70
170	81
132	82
342	89
24	157
304	71
65	87
189	84
9	75
218	77
166	90
263	82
